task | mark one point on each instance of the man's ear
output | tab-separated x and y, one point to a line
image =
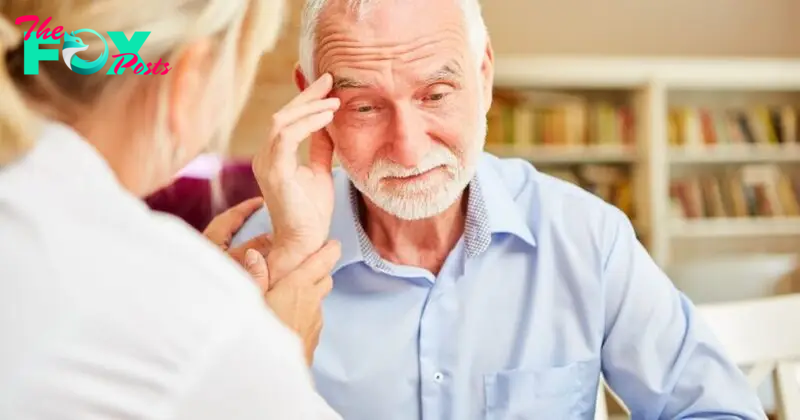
487	74
300	78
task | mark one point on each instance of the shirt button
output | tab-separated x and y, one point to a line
438	377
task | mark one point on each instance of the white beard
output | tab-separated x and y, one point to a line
423	199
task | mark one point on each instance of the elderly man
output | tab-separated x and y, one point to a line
469	287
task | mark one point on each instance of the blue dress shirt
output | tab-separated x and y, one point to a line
547	289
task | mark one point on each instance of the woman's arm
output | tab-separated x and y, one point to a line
257	374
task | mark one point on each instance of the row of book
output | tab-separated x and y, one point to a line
696	127
611	183
757	190
542	120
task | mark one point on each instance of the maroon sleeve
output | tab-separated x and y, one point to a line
190	198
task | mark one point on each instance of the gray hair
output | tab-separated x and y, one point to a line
476	29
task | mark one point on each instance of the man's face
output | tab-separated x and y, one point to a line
413	118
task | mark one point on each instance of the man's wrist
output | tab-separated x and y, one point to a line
283	260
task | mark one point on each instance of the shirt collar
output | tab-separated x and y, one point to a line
490	210
504	214
345	222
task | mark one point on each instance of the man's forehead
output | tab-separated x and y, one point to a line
451	69
401	42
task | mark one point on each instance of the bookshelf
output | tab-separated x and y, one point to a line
703	155
550	155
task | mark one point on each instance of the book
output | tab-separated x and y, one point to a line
561	120
700	127
755	190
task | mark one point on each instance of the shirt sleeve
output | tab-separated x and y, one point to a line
260	374
659	357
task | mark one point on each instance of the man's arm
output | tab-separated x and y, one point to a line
658	355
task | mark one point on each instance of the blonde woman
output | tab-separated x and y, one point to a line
108	311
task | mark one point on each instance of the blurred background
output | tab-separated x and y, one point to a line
629	28
682	113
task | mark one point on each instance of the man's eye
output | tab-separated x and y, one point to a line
364	108
436	97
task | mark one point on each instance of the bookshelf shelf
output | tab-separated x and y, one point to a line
736	227
728	155
718	131
565	154
632	72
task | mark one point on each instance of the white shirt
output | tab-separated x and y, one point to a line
110	311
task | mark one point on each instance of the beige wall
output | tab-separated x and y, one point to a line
645	27
617	27
273	88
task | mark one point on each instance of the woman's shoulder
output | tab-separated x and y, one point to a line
190	257
117	241
150	298
95	279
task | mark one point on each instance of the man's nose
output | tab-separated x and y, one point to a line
411	142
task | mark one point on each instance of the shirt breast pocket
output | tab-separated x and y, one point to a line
564	392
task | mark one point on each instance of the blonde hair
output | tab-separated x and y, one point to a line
242	30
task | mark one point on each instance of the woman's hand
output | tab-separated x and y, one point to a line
299	197
296	299
221	230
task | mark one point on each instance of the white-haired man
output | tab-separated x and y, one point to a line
469	287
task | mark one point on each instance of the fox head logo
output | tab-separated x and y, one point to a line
73	45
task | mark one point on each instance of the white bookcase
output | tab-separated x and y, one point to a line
653	86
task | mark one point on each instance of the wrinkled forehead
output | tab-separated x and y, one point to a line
396	33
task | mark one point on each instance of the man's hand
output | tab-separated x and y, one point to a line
299	197
297	298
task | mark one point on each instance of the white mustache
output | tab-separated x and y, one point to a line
438	157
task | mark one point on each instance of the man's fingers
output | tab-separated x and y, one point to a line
317	90
290	115
283	158
321	152
307	113
317	266
256	265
